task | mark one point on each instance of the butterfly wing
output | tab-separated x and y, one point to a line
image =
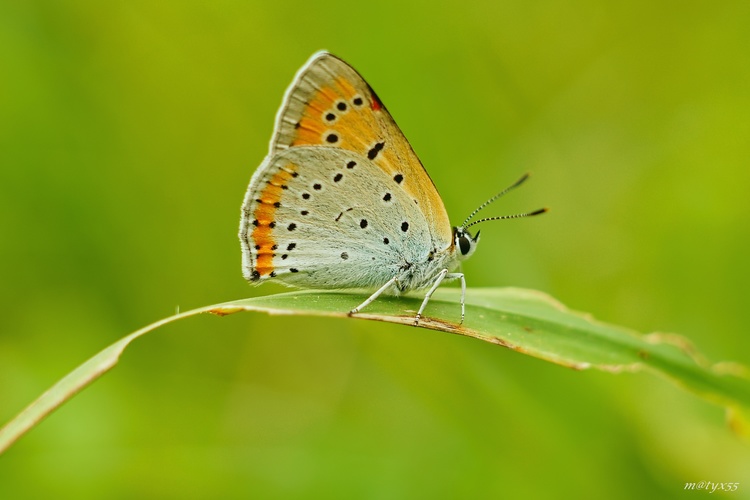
329	218
330	105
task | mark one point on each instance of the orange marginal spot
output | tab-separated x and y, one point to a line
262	236
264	215
264	270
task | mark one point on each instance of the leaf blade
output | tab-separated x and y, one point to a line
526	321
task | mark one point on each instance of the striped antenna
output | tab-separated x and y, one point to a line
498	195
515	216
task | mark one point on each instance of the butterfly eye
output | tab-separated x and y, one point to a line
464	244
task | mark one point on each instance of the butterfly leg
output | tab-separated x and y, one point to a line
439	279
374	296
463	294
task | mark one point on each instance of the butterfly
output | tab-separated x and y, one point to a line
341	200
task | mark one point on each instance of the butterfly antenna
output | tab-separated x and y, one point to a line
498	195
514	216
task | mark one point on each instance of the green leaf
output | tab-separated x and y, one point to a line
523	320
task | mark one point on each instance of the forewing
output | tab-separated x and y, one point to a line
330	105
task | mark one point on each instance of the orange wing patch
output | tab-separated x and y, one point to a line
312	123
347	89
309	132
337	115
341	115
263	219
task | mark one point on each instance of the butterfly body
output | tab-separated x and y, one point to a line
342	201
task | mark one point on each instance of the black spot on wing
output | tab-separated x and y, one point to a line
377	148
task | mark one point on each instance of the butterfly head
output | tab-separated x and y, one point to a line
465	244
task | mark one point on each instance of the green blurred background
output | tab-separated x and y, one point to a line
129	131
